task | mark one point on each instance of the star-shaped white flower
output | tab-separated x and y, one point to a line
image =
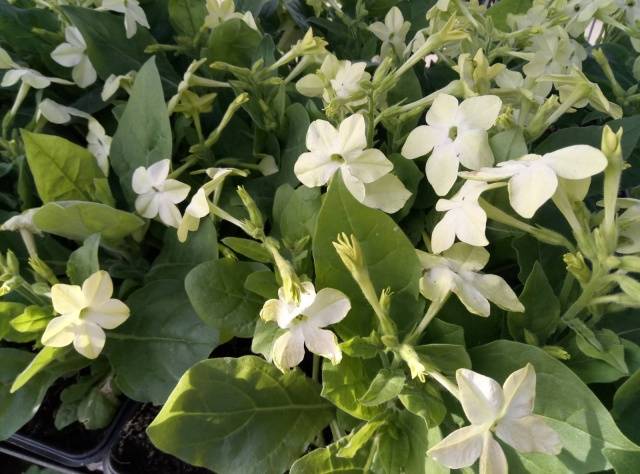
464	218
552	52
85	312
506	411
134	15
73	53
533	179
392	32
457	271
219	11
304	322
365	171
30	77
158	194
454	134
335	79
199	205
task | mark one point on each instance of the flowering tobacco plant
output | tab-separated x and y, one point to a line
409	230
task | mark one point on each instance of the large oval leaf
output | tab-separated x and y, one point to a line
240	416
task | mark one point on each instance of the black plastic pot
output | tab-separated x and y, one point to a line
133	453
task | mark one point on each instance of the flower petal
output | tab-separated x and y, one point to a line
444	234
387	194
322	342
529	434
492	459
84	74
315	169
288	349
442	168
473	149
496	290
468	256
369	165
322	138
460	449
352	135
353	184
437	283
168	213
59	331
141	181
479	112
481	397
67	55
310	86
158	172
470	225
471	298
442	112
530	188
422	140
67	298
89	339
576	162
98	288
108	315
147	205
329	307
174	191
520	392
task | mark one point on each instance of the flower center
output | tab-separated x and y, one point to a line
336	158
453	133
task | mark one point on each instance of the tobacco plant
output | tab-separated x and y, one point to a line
361	236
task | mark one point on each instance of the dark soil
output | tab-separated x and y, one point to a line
134	453
74	439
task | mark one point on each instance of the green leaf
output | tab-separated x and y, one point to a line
144	131
424	400
346	383
111	52
326	461
363	347
61	169
295	212
568	406
445	358
78	220
297	126
18	408
216	291
610	351
443	332
177	258
501	10
33	319
248	248
529	251
8	311
159	342
97	409
392	448
245	403
233	42
84	262
187	16
264	336
42	359
625	407
359	438
262	283
389	255
508	145
541	308
386	386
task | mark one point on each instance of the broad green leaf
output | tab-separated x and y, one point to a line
162	338
33	319
610	351
424	400
233	42
567	404
144	132
267	416
84	262
263	283
445	358
18	408
386	386
389	255
216	291
109	49
61	169
264	336
187	16
502	9
363	347
541	308
529	251
358	438
297	126
177	258
508	145
326	461
345	384
78	220
42	359
295	212
248	248
443	332
8	311
97	409
625	407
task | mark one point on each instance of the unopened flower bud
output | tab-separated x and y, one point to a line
577	266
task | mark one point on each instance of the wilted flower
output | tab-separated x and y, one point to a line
85	311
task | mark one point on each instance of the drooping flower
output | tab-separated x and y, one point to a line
464	218
134	15
158	194
304	322
458	271
84	314
506	411
219	11
392	32
58	113
365	171
73	53
455	134
533	179
115	82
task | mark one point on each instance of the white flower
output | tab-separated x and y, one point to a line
335	79
536	91
506	411
158	195
99	144
364	170
580	13
134	15
199	205
30	77
631	10
457	271
268	166
533	179
23	221
58	113
454	134
304	322
85	312
219	11
73	53
113	83
552	52
464	218
392	32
